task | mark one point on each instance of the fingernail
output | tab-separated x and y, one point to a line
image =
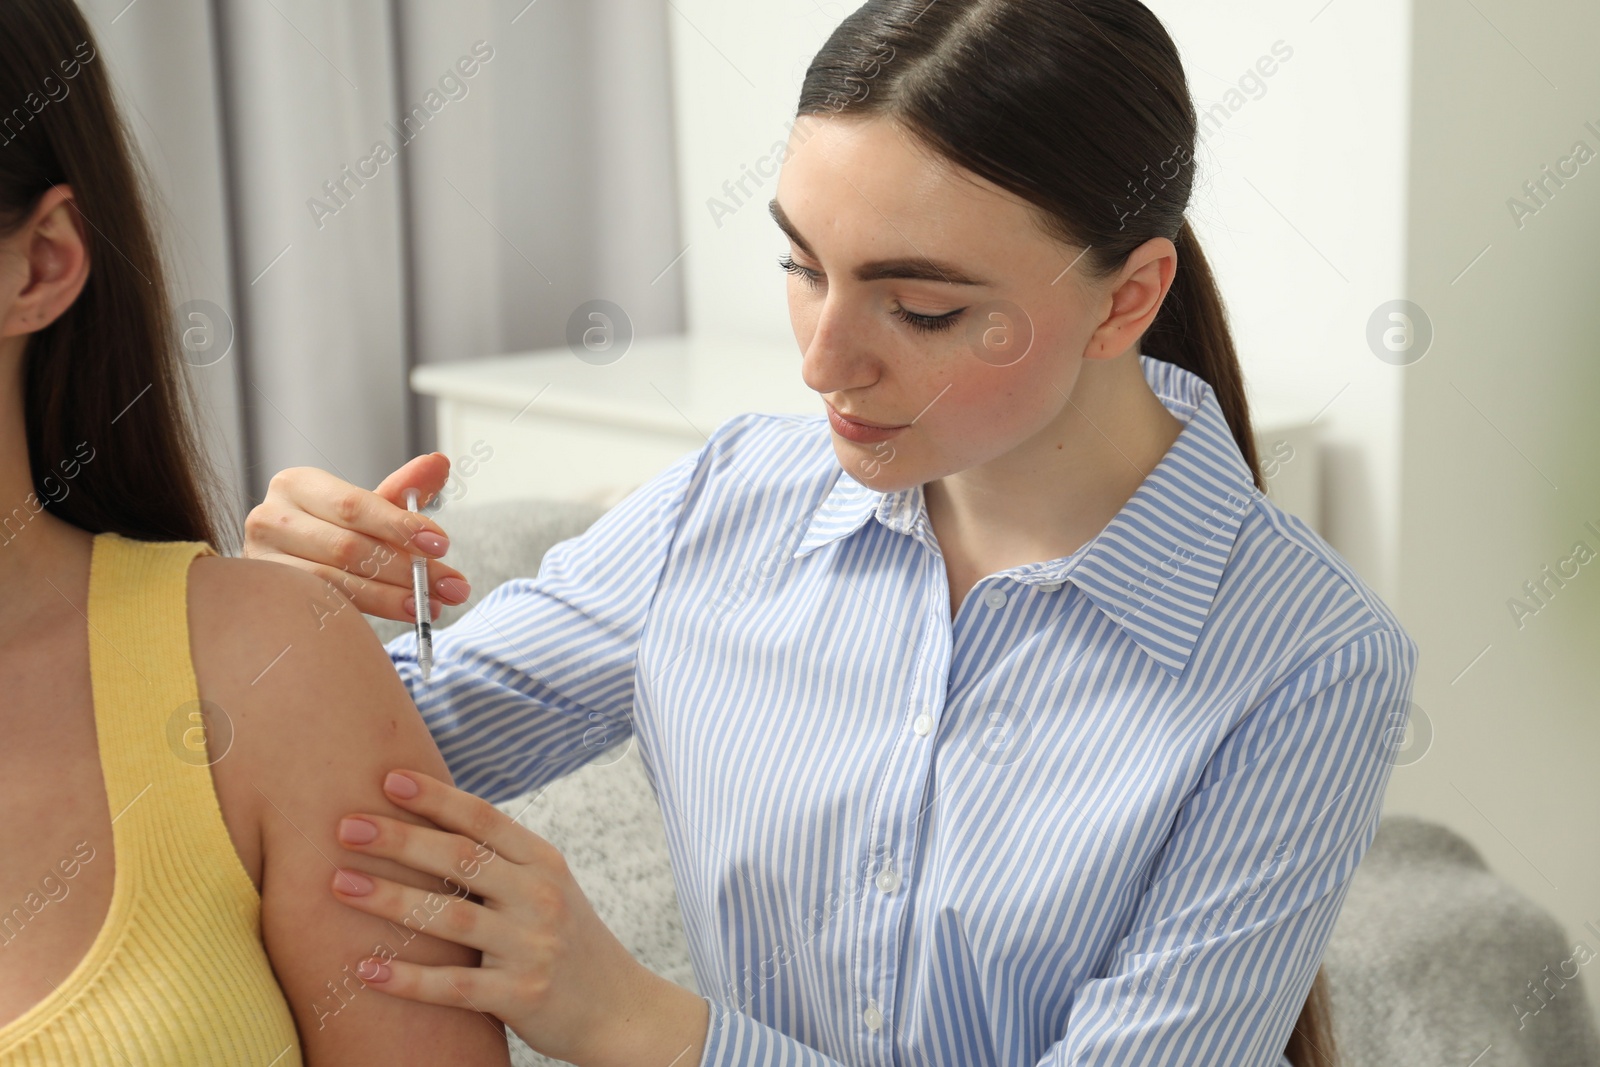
352	883
409	606
400	785
431	543
353	831
371	970
453	589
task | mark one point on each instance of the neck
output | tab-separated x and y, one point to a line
36	548
1093	456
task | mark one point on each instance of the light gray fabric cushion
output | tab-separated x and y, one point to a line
1429	954
1430	959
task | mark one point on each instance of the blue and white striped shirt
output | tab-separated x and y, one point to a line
1106	816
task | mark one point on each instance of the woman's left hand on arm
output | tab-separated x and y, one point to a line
551	969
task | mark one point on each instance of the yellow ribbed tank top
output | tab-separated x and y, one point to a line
177	976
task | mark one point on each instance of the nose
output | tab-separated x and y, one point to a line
836	360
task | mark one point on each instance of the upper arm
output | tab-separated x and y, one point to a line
1227	937
319	717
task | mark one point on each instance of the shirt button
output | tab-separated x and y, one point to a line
872	1017
922	724
888	880
995	598
1049	587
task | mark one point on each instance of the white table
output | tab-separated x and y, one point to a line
555	426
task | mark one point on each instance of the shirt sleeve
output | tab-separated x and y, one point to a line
537	678
1227	936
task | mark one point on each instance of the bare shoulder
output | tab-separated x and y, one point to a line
243	602
270	638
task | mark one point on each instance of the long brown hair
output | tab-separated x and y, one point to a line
1081	108
106	379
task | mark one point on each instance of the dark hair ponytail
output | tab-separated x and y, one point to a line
1191	330
1081	108
110	430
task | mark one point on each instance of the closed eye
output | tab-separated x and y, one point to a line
924	323
929	323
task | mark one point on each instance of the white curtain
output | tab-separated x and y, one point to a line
353	188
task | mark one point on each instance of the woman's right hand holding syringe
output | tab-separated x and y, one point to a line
360	540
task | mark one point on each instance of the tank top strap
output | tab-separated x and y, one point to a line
157	741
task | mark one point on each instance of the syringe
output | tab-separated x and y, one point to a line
419	590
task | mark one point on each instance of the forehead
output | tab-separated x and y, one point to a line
869	187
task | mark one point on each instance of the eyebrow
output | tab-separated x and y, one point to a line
912	268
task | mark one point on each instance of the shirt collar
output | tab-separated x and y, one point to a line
1154	569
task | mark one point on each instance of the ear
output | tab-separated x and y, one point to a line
1136	297
57	260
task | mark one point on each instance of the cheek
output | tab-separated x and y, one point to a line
986	401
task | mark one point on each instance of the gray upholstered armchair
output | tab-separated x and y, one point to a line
1430	963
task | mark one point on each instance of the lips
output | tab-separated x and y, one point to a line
869	424
864	433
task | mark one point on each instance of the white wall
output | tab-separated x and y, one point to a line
736	73
1300	207
1500	447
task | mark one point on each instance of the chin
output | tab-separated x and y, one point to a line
878	467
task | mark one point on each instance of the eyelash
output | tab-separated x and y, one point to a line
925	323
